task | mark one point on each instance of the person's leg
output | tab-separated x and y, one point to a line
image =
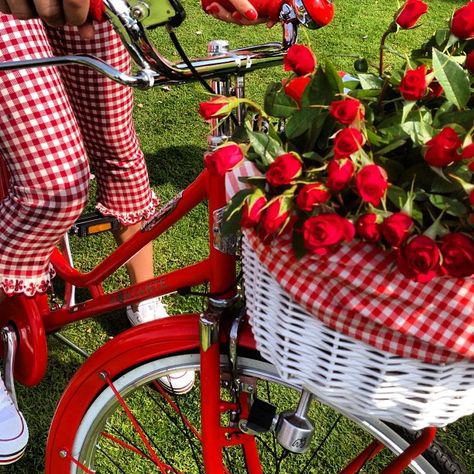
104	112
49	176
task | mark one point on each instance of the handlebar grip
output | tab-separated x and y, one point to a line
97	10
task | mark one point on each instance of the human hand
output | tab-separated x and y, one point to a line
52	12
241	12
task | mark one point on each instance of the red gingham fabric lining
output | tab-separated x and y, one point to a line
358	292
44	149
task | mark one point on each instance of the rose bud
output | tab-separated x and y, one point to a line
396	228
471	198
420	259
458	255
347	110
299	59
462	24
435	89
217	107
410	13
413	85
252	210
295	88
368	228
442	149
326	230
340	173
371	183
310	195
347	141
223	159
284	169
469	64
468	154
276	215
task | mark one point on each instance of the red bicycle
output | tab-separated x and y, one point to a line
240	416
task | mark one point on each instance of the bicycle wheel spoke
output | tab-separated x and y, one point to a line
185	423
137	426
126	445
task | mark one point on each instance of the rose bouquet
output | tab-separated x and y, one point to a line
383	157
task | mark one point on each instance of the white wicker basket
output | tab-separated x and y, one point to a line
347	373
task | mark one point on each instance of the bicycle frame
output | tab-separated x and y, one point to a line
34	319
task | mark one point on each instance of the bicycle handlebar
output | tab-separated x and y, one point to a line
156	70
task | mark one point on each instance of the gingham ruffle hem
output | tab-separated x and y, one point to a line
130	218
28	286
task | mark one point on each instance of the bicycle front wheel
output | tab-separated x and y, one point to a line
133	426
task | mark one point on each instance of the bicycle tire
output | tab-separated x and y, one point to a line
134	382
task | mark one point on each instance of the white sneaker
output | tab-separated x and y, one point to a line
179	382
13	429
147	310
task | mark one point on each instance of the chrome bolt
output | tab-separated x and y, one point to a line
140	11
62	453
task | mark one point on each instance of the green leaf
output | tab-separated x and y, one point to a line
277	103
301	122
453	78
465	118
451	205
318	91
257	181
233	212
407	108
370	81
391	146
266	147
335	81
397	196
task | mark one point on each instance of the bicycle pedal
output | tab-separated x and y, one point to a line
93	223
262	418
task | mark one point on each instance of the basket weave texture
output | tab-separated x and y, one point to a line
345	371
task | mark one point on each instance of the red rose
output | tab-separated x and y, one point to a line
420	259
326	230
253	208
462	24
217	107
471	198
435	89
371	183
340	173
469	64
442	149
223	159
413	84
347	141
284	170
458	255
296	87
410	13
396	227
276	216
311	195
368	228
468	152
347	110
299	59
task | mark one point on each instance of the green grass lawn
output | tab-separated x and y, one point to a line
173	138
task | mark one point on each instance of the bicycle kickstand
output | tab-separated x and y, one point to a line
10	344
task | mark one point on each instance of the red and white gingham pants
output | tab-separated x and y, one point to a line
51	122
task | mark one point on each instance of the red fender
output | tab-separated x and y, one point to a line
134	346
32	352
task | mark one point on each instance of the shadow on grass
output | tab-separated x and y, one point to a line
176	165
